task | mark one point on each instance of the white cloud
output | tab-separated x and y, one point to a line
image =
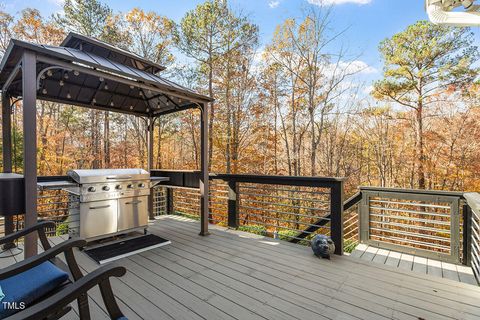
358	66
335	2
273	4
58	3
351	67
368	89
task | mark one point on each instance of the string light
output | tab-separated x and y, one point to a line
69	96
44	91
148	110
101	79
131	87
168	103
65	75
112	104
131	107
42	77
106	86
61	83
76	73
94	100
49	73
158	105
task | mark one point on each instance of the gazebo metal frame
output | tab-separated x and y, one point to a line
89	73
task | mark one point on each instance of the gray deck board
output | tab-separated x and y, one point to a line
236	275
416	264
426	295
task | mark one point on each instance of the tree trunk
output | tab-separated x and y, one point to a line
420	147
212	114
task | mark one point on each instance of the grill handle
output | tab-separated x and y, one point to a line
119	177
100	207
133	202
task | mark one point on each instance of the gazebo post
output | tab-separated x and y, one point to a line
150	142
7	156
204	175
29	88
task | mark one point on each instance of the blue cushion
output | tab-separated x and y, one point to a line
122	318
26	287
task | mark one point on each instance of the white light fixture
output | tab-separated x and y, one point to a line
94	100
76	73
49	73
148	110
61	83
112	104
69	96
44	91
106	86
65	75
131	107
440	12
101	79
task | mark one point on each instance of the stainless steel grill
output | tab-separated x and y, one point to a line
110	202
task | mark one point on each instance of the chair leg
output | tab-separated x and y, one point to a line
109	300
83	309
60	313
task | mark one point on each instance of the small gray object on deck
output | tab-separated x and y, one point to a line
323	246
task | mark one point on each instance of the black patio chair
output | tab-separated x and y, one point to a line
43	286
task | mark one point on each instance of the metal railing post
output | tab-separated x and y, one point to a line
233	204
467	235
363	218
336	222
455	230
169	201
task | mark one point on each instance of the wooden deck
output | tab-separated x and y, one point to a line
416	264
236	275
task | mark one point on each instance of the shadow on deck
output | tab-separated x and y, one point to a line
237	275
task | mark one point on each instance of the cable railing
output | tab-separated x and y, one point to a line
52	205
294	209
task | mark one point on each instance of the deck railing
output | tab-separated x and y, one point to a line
287	208
472	232
437	224
420	222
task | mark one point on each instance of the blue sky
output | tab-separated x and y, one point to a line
368	21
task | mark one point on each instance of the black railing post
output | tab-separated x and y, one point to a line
169	200
467	235
336	222
232	204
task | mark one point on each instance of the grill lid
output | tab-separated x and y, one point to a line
83	176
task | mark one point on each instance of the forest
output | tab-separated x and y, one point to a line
293	106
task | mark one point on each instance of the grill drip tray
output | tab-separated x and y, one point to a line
121	249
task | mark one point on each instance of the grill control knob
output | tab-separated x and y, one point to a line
118	187
130	186
91	189
141	185
106	188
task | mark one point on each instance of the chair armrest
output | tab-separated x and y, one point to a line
58	301
34	261
41	226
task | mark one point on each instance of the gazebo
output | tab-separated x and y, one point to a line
89	73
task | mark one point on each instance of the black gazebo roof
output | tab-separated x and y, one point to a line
87	72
